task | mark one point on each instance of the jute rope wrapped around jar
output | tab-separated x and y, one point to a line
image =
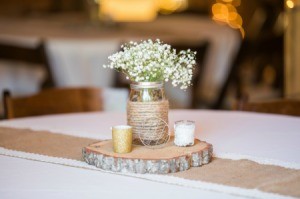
137	115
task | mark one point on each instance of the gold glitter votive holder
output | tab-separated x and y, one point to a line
122	138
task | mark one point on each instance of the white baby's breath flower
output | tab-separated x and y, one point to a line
154	61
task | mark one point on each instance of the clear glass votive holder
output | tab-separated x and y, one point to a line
184	133
122	138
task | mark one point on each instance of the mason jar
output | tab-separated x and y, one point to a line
147	113
146	92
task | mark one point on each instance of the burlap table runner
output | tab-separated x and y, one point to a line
238	173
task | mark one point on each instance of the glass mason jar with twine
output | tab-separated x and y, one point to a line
147	113
149	63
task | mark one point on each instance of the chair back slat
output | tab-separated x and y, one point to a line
282	106
54	101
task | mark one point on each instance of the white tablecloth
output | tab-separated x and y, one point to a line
78	51
264	138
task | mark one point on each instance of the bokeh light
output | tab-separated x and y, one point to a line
170	6
138	10
224	11
290	3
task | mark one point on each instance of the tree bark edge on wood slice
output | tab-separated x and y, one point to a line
169	159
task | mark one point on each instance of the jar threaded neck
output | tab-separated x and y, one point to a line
138	85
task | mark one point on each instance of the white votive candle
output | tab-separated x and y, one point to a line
184	131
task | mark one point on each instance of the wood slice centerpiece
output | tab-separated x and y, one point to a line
169	159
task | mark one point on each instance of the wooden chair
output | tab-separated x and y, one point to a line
30	55
53	101
279	106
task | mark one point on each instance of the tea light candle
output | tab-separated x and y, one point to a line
184	131
122	138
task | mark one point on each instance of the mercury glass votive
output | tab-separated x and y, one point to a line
122	138
184	133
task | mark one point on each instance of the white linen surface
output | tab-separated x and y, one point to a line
30	179
115	99
256	135
79	62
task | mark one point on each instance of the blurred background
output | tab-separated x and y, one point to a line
245	48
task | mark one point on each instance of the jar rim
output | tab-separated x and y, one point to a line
146	85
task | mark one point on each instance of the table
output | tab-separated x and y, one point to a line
235	135
77	50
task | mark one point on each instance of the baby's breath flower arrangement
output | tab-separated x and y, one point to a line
154	61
